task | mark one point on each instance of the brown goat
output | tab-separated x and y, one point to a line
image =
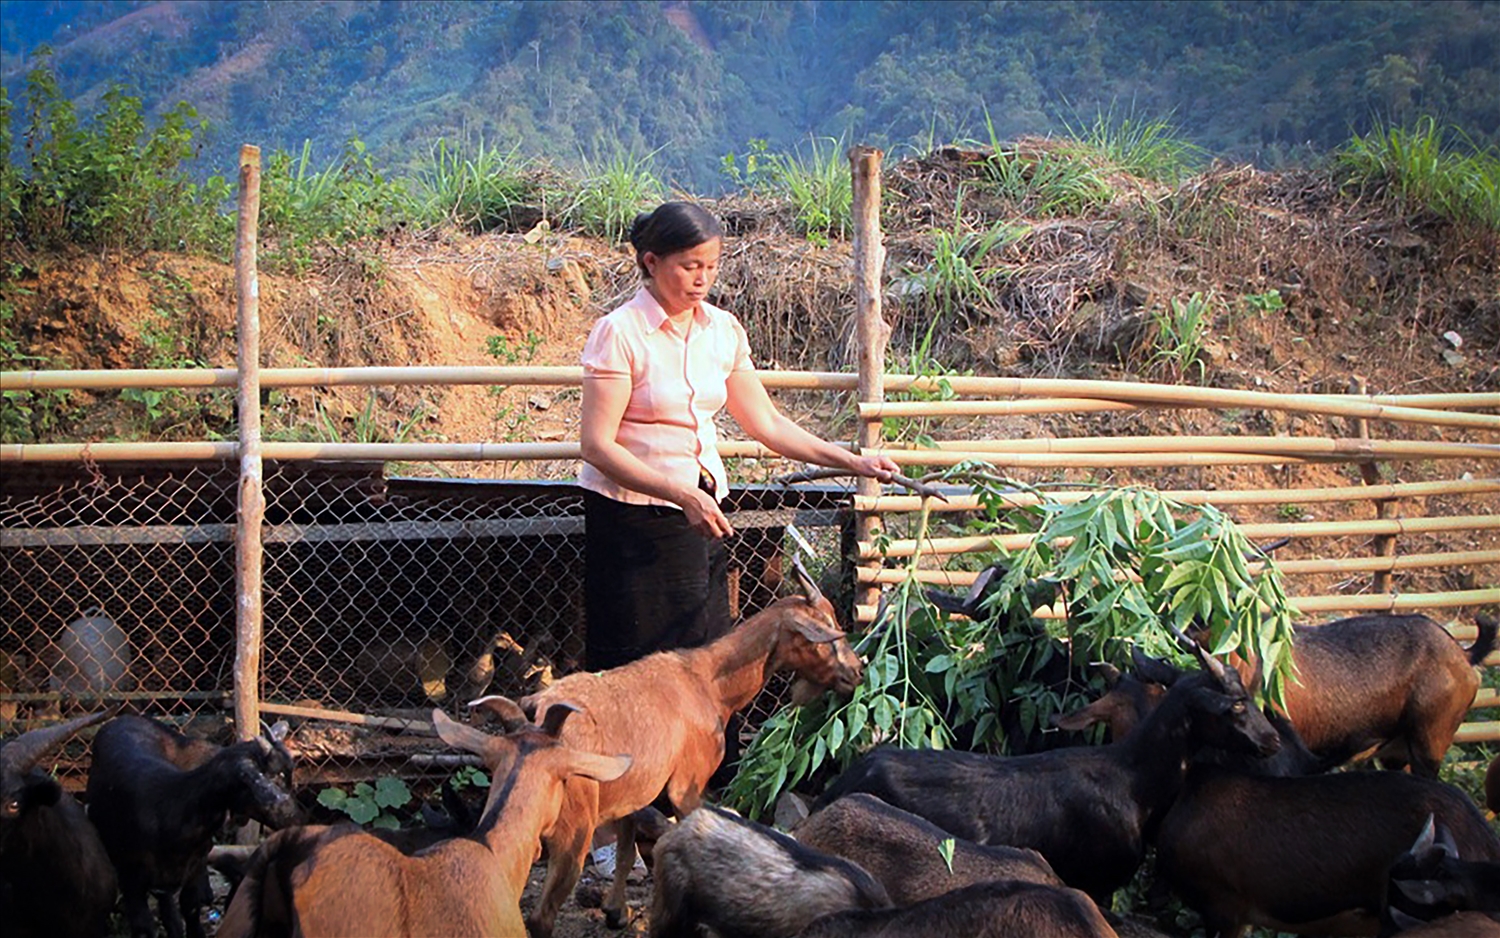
668	711
905	852
1393	686
985	910
316	881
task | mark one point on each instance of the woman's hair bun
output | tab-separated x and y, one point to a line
638	227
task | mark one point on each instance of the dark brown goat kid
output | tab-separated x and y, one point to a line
325	881
986	910
905	852
668	711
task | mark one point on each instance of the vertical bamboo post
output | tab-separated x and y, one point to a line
870	328
252	505
1382	545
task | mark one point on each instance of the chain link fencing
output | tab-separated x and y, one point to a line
382	597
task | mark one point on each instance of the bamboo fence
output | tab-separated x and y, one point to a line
986	396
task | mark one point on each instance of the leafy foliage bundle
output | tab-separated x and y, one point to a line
1128	566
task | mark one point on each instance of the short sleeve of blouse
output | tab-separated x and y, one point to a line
606	354
742	361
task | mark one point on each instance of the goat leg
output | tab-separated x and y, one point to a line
138	912
171	916
616	909
566	847
196	894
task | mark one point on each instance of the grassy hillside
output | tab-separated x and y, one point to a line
692	80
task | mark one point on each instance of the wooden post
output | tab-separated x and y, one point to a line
1382	545
252	504
871	330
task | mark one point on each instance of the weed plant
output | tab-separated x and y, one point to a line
1043	184
303	206
1181	330
26	416
1419	166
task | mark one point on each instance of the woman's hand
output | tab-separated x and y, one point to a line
704	514
876	467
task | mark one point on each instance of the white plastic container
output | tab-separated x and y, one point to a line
96	656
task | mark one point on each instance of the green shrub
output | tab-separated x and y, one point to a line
1148	148
475	187
819	187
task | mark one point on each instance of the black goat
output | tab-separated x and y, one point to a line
1429	882
746	880
1087	810
55	878
1306	854
158	798
987	910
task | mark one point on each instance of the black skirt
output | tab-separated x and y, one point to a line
650	582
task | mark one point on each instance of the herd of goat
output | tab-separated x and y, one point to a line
1248	826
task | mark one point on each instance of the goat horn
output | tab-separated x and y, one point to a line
22	755
510	714
809	585
1210	664
557	714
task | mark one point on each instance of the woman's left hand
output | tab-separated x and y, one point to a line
876	467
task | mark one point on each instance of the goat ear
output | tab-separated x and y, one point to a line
510	714
1421	891
1153	670
597	767
816	632
1109	672
277	731
460	736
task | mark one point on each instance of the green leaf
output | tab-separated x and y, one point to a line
361	811
836	736
387	822
391	792
333	798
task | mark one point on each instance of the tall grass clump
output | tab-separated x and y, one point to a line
303	206
473	186
1041	182
819	187
957	283
1423	168
1150	148
612	192
1181	331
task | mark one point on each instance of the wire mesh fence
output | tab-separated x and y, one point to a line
381	597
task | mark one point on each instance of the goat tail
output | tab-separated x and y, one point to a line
1484	643
262	905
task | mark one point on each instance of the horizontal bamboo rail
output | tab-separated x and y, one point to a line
368	452
1303	446
423	727
1004	460
1478	732
967	502
1347	405
816	380
1396	526
1304	605
980	407
966	578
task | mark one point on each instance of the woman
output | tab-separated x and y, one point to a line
656	371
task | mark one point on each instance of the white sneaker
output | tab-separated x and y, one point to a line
603	860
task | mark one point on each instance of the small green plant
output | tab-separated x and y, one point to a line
369	804
507	351
26	416
1181	330
303	206
759	172
612	193
1263	303
1290	512
367	427
469	776
1043	183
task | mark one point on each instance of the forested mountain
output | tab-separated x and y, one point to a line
692	80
